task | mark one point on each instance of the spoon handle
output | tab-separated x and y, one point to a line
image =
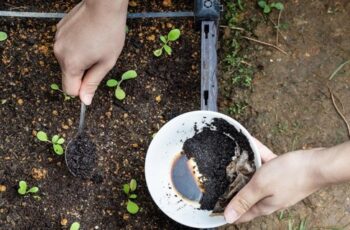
82	117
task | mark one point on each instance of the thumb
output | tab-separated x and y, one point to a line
242	202
91	80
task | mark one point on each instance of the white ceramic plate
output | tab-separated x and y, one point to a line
161	154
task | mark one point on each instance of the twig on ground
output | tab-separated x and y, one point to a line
266	44
338	69
279	31
233	27
278	26
246	63
338	110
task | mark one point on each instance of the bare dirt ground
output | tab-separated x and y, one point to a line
289	103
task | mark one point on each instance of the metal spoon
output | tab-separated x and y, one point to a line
80	130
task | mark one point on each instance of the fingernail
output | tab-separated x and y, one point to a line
87	98
231	216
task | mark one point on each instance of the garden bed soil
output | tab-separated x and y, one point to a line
165	87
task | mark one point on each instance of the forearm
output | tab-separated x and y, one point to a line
334	164
109	6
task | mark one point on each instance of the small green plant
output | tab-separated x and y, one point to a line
128	189
24	190
237	108
55	87
3	36
267	7
119	92
56	141
75	226
172	36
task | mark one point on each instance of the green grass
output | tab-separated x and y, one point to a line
236	65
237	108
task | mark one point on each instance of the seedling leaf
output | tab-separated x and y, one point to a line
262	4
267	9
55	87
75	226
132	207
33	190
126	188
112	83
58	149
55	138
22	187
174	35
133	185
158	52
163	39
168	49
133	196
278	6
119	93
60	141
42	136
3	36
129	75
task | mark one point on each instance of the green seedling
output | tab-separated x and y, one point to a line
119	92
75	226
55	87
128	189
267	7
3	36
237	108
172	36
24	190
56	141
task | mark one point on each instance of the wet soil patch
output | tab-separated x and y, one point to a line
81	156
212	149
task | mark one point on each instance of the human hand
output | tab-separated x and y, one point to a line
88	42
278	184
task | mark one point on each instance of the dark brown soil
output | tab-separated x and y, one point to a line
81	156
212	150
122	131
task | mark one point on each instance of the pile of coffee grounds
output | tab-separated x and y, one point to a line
212	149
81	156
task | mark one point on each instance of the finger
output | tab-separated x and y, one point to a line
66	18
91	80
257	210
265	153
71	83
242	202
72	74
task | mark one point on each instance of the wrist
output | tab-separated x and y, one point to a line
333	164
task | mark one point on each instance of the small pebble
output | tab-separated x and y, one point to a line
2	188
64	222
169	25
20	101
151	37
158	98
39	174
